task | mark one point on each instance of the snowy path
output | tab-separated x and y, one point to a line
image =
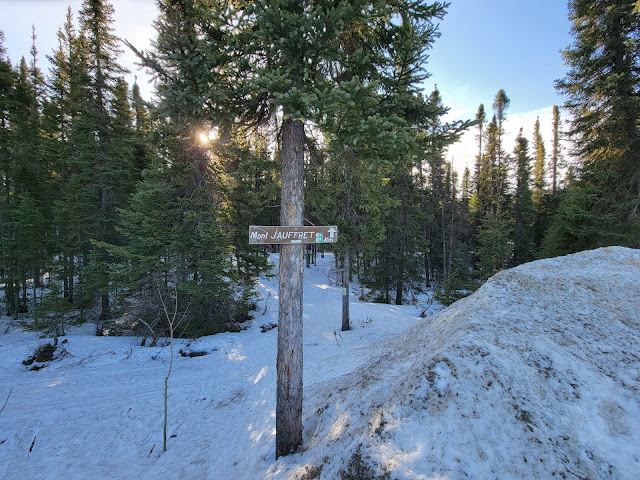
534	376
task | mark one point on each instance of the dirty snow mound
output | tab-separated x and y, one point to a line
536	375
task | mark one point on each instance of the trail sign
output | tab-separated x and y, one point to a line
259	235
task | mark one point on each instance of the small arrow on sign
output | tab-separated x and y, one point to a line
332	231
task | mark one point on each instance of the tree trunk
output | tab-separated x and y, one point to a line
10	293
289	357
25	301
427	259
104	307
346	264
444	242
453	224
399	281
65	277
399	288
346	268
34	287
70	283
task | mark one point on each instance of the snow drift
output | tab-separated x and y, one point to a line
536	375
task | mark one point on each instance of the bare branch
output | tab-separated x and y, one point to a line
7	400
148	326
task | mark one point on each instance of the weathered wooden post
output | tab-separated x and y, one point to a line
289	357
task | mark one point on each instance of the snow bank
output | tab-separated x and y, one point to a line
536	375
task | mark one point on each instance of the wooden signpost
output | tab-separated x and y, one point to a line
264	235
289	355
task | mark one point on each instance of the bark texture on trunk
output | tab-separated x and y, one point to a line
346	269
289	357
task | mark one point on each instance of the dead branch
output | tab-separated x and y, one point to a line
7	400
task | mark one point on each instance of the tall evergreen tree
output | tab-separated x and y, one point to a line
523	213
464	226
8	79
252	196
30	177
602	85
69	137
467	185
555	155
488	188
96	21
500	105
24	181
440	200
480	173
348	188
175	241
480	119
142	145
493	232
397	269
123	144
539	184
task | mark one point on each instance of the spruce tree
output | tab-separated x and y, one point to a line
346	189
28	204
108	160
250	172
467	185
539	185
8	79
480	119
143	137
397	269
500	105
555	155
480	173
523	212
69	140
174	239
494	231
487	182
467	222
450	220
123	145
441	232
601	85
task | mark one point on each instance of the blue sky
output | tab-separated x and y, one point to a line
485	45
133	19
491	44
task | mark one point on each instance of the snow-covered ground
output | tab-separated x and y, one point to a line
536	375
